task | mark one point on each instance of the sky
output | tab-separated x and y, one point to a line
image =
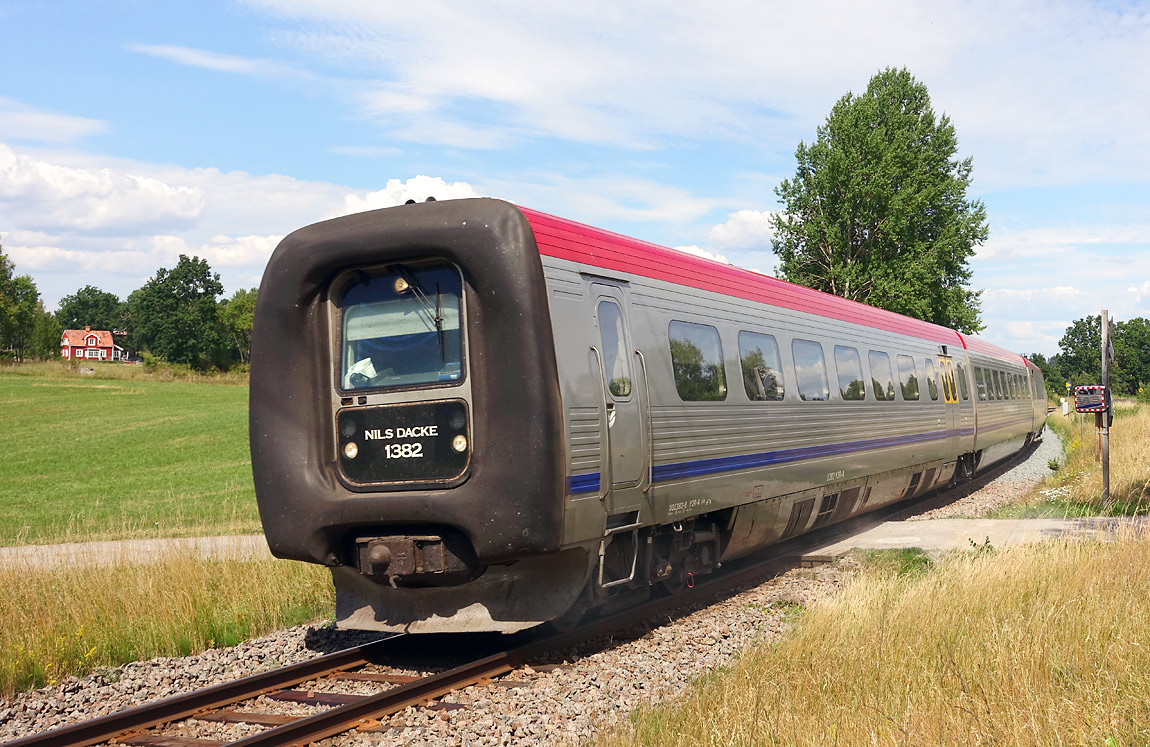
133	131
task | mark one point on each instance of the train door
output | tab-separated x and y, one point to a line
623	455
952	420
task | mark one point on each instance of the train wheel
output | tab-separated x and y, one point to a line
678	582
570	619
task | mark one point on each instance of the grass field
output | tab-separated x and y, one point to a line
1075	487
99	457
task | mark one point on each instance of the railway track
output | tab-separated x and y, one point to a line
146	725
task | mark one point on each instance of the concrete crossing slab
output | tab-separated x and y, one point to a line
938	535
131	552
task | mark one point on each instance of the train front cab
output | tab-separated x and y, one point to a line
404	406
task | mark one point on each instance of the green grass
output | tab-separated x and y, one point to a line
97	458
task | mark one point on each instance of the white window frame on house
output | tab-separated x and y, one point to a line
92	341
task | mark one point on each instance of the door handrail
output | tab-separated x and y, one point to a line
605	476
648	420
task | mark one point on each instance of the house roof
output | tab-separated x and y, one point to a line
77	337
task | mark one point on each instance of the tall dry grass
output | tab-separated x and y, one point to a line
1041	644
1075	489
71	620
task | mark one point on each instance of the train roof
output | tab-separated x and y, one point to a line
578	242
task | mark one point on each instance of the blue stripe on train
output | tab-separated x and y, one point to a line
589	483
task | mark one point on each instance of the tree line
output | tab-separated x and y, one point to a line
178	316
1079	360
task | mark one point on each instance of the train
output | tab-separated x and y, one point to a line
482	417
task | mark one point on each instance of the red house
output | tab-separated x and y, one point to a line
90	344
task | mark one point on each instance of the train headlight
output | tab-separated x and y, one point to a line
401	285
459	443
350	450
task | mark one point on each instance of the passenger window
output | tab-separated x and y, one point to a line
980	383
811	370
997	375
881	378
962	383
907	378
615	358
849	368
697	362
762	373
931	380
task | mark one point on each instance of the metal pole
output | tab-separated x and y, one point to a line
1104	417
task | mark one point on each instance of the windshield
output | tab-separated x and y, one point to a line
401	328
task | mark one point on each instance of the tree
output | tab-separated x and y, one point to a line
237	314
1132	352
175	314
46	332
6	308
91	307
23	302
1081	358
877	210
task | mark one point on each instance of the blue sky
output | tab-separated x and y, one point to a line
132	131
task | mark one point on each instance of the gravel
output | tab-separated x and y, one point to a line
591	688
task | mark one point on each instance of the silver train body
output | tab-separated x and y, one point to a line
483	417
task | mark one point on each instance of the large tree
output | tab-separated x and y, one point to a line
1132	352
877	210
23	303
175	315
91	307
6	307
237	314
46	331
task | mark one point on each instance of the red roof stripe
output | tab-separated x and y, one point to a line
564	239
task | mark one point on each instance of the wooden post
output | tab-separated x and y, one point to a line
1103	419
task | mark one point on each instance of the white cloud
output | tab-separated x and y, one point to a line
365	151
1140	292
58	198
475	75
216	61
745	230
1049	241
417	188
692	249
72	218
21	122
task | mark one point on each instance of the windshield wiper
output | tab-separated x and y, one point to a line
434	313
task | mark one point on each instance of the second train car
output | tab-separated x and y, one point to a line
483	418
